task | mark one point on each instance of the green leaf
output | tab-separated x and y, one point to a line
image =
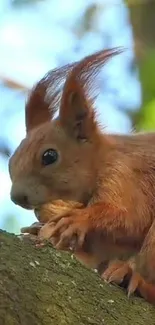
147	117
147	75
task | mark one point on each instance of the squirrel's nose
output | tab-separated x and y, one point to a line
20	199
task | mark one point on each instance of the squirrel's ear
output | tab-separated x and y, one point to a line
77	114
45	96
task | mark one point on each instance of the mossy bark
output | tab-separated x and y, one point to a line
41	286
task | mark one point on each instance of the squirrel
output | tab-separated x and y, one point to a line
111	176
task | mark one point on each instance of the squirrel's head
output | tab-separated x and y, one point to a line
58	159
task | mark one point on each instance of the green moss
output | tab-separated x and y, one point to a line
46	287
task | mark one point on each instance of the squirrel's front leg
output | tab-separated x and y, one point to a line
45	214
72	228
69	229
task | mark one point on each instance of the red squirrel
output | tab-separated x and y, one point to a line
112	176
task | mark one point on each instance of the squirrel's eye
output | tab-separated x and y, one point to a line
49	157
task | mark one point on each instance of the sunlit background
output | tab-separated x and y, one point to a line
36	36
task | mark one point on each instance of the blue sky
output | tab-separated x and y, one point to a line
34	39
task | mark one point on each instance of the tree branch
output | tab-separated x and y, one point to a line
45	287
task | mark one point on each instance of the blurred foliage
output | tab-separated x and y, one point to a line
146	117
86	22
142	16
142	19
11	224
143	25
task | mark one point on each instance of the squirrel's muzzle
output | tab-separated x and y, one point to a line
19	198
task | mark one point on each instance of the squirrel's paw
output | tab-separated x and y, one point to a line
69	231
31	232
116	272
33	229
141	286
55	210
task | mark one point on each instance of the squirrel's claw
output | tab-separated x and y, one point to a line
135	281
69	231
116	272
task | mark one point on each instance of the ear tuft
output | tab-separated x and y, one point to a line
77	113
44	99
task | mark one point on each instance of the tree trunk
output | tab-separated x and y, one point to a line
41	286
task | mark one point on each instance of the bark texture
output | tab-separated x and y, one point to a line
41	286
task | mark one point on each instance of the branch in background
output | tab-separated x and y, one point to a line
5	149
19	3
10	83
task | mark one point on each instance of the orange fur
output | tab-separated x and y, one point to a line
113	176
